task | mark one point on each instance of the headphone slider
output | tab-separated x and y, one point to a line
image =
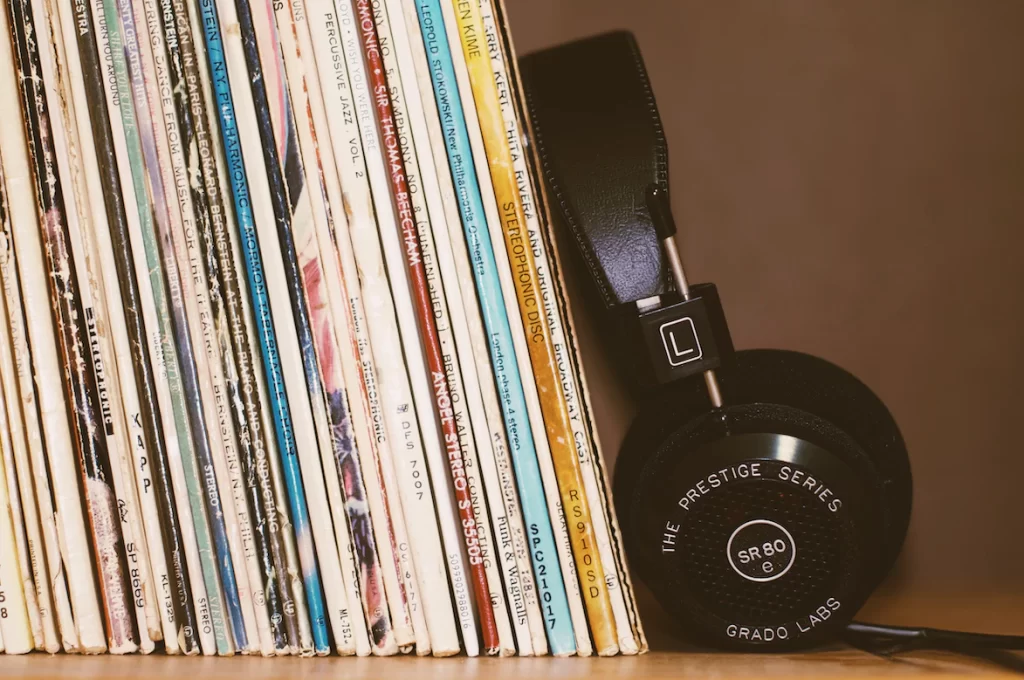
686	338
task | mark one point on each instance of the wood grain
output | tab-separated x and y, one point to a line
993	612
658	664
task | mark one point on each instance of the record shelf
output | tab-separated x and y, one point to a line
992	612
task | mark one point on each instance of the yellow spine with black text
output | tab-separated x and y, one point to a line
542	354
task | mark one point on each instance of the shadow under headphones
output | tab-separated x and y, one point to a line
762	495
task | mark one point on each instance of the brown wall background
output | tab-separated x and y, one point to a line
851	174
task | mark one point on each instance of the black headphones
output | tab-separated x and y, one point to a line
762	494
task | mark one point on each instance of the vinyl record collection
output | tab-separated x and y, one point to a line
286	364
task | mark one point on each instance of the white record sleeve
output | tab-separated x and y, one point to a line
33	476
89	631
14	617
23	489
21	547
30	458
21	495
22	550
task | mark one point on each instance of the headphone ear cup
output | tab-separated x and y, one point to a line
800	381
776	392
693	583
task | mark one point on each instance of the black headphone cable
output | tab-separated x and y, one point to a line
886	640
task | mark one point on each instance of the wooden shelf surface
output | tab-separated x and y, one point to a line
656	664
998	613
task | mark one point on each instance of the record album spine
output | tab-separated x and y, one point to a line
244	168
132	369
270	581
185	325
575	504
171	392
22	552
16	549
332	337
33	469
77	161
290	199
304	270
384	391
269	463
438	339
30	456
536	390
531	596
492	219
159	436
183	244
639	640
53	461
510	379
23	489
278	467
303	273
558	315
160	249
15	625
84	372
450	314
79	379
373	498
425	451
471	345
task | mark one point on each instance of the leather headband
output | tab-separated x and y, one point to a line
600	141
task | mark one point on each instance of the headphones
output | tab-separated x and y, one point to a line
762	495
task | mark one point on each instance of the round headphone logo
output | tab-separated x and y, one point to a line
761	550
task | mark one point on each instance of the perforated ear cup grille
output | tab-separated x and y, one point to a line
817	386
820	540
